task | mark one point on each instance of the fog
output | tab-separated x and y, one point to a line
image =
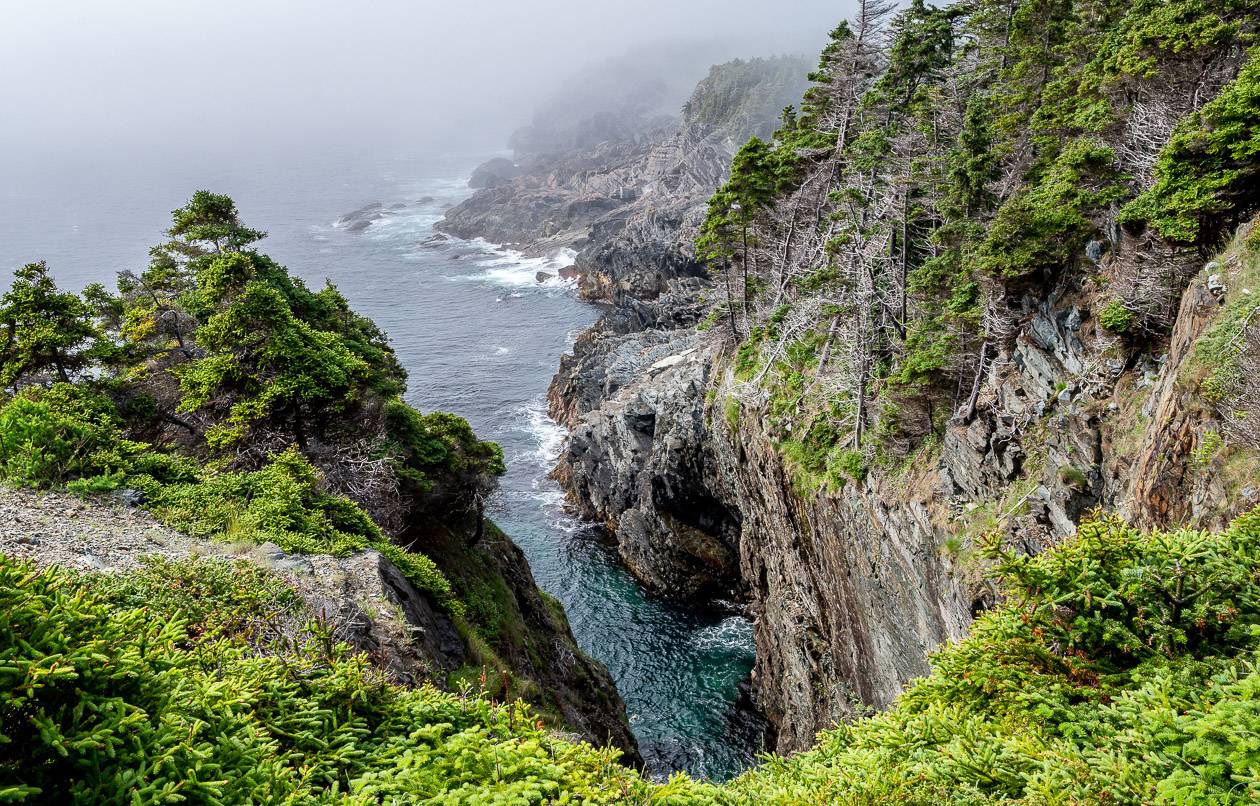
261	74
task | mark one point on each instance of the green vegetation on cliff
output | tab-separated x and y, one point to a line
873	257
232	398
220	393
1122	669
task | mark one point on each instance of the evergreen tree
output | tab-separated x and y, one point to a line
263	366
44	330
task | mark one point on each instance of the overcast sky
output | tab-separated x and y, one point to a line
96	73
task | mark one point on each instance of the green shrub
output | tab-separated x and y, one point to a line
1073	477
1210	445
1122	668
49	437
1115	317
438	451
854	464
153	688
1206	174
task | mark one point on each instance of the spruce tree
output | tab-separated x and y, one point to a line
43	329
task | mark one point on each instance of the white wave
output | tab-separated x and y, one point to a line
732	632
511	268
548	435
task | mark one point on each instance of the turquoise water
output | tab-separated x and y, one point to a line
478	335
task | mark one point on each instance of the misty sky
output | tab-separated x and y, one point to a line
93	74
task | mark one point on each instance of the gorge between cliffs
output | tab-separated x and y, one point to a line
878	426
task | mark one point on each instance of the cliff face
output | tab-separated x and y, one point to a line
864	405
850	590
523	637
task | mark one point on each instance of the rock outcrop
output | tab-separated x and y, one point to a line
493	172
642	463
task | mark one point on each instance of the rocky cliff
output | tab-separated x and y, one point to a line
366	600
851	589
844	506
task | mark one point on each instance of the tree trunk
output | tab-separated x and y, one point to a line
744	268
970	411
905	251
730	301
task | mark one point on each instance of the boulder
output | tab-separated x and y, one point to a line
493	172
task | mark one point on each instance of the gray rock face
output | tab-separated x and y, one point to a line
376	610
851	590
627	191
642	464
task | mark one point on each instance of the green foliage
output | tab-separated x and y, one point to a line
198	374
1219	351
1044	226
922	47
853	463
280	502
63	434
1110	676
438	449
263	363
1210	445
823	456
171	684
42	329
212	218
1073	477
1206	174
1115	317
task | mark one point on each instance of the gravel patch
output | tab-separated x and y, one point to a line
363	596
96	534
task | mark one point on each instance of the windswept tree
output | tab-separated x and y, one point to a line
725	235
263	368
210	222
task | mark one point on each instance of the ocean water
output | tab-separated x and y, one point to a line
478	334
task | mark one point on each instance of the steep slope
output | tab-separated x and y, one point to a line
220	394
962	292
